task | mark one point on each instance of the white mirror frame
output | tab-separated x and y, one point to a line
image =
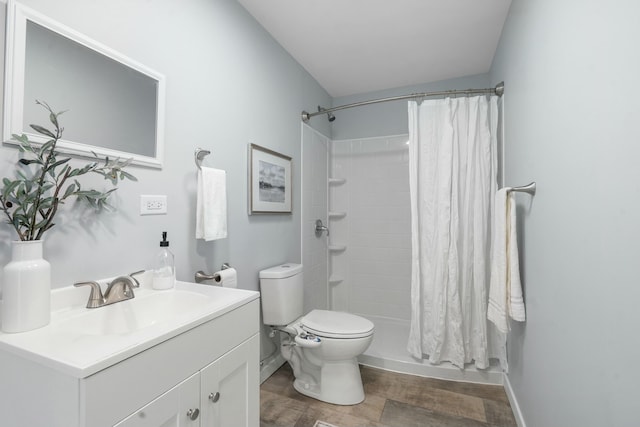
17	17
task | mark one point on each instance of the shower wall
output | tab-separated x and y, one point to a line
314	154
369	214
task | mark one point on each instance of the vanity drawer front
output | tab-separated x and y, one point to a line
134	382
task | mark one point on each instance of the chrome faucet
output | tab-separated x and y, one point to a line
120	289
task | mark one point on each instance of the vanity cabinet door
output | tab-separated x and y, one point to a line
171	409
230	388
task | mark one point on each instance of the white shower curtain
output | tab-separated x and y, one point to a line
452	169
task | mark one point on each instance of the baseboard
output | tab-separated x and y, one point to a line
515	407
270	366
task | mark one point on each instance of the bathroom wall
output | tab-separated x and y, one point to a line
373	274
571	70
228	84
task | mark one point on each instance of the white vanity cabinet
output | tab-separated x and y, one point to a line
204	373
225	393
225	398
173	408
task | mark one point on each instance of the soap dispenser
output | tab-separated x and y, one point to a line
164	270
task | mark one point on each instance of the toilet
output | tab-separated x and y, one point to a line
321	346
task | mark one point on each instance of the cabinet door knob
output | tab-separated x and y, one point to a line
192	414
214	397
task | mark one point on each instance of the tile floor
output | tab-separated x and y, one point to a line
392	400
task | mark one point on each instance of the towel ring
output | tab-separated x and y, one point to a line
199	155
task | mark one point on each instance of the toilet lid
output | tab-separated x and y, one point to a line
336	324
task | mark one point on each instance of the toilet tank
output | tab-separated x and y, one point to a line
281	294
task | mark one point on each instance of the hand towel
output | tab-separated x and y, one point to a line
505	289
211	204
515	301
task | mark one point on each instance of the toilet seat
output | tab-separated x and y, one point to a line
336	324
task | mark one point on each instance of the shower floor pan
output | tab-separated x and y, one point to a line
388	350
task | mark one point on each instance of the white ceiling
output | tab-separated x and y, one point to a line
358	46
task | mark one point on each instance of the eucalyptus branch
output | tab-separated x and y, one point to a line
46	166
51	212
31	201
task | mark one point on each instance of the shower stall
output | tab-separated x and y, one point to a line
359	190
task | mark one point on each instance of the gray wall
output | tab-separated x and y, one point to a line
228	84
388	118
571	70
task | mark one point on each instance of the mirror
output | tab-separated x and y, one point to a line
115	105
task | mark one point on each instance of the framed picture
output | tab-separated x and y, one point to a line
269	181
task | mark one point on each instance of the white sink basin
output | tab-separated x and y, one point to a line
148	308
81	341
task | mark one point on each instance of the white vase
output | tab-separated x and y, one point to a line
26	288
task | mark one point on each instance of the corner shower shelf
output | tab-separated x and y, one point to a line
337	214
337	181
334	280
337	248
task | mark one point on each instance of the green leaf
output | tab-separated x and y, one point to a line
58	163
41	224
46	187
53	119
47	146
29	162
87	168
89	193
69	191
46	204
42	130
21	138
127	175
9	186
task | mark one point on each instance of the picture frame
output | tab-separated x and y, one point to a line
269	178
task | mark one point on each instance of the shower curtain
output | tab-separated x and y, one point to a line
452	170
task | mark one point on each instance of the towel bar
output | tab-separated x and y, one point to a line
199	155
529	189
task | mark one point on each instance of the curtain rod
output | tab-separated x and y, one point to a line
498	90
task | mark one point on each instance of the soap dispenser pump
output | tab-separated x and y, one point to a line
164	271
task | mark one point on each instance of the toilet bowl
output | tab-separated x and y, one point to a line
322	346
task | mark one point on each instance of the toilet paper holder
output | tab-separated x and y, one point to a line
201	276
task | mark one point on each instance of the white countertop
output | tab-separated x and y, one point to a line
81	341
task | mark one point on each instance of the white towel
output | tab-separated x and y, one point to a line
505	289
211	204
